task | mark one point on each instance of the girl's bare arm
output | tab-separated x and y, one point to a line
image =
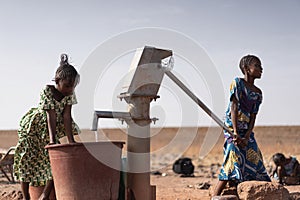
234	114
51	122
234	117
68	123
251	125
274	171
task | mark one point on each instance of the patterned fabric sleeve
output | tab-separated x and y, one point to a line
71	100
235	89
46	99
257	104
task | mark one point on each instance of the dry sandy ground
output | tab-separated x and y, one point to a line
168	144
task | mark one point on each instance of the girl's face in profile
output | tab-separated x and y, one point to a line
66	87
255	69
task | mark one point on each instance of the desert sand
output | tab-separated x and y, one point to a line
183	142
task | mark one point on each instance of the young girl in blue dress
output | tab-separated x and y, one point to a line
242	158
44	125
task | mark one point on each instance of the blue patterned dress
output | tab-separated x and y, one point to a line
242	164
31	161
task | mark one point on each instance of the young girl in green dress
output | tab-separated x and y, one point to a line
44	125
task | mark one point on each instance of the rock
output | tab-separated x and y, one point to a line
156	173
203	186
225	197
295	195
229	191
258	190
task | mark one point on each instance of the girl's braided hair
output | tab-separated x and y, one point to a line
66	71
246	61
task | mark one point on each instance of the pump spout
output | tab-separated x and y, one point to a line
108	114
95	122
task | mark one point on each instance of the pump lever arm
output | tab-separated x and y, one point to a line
198	101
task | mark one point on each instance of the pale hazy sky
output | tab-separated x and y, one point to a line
34	33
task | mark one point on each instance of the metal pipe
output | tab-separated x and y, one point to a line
198	101
108	114
111	114
138	147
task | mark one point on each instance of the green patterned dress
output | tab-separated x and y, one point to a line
31	161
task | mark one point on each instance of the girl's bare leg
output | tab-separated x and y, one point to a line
47	190
219	187
25	190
